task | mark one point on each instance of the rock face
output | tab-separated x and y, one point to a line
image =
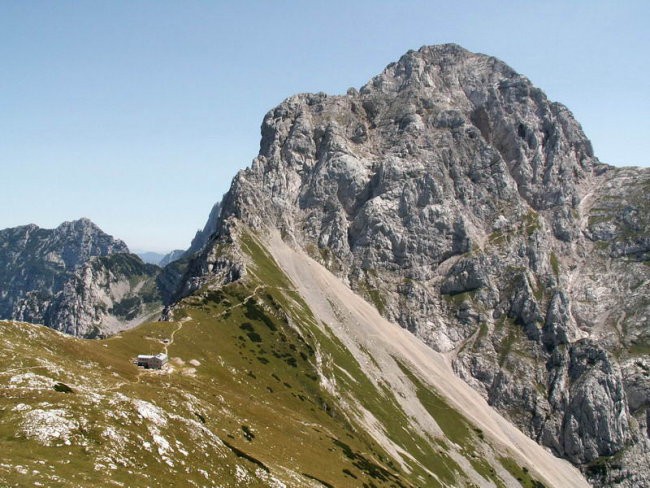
203	236
470	209
170	257
75	278
105	295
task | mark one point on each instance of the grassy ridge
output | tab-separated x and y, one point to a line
257	393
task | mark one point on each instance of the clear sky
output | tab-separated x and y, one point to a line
137	114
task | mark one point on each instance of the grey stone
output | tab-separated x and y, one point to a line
476	212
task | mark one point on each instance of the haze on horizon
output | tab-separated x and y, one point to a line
138	114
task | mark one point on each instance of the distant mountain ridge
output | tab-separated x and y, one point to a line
171	256
150	257
160	259
74	278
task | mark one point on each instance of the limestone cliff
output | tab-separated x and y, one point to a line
470	209
75	278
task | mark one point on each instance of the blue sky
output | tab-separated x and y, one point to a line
137	114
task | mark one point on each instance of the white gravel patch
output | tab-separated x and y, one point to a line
30	380
150	412
357	323
47	426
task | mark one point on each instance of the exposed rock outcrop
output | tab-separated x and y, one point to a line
466	206
105	295
203	236
75	278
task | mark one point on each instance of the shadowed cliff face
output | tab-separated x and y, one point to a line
467	207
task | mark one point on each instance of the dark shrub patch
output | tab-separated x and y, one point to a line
248	433
62	388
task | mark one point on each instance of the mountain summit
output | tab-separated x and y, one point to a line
471	210
431	281
37	260
74	278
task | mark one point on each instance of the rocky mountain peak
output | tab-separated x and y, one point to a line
80	239
441	126
438	67
471	210
69	244
202	237
460	203
75	278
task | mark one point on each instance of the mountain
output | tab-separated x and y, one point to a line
471	210
150	257
430	281
269	384
74	278
159	259
171	256
203	236
37	261
105	295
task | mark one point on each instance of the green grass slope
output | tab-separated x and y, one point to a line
258	392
